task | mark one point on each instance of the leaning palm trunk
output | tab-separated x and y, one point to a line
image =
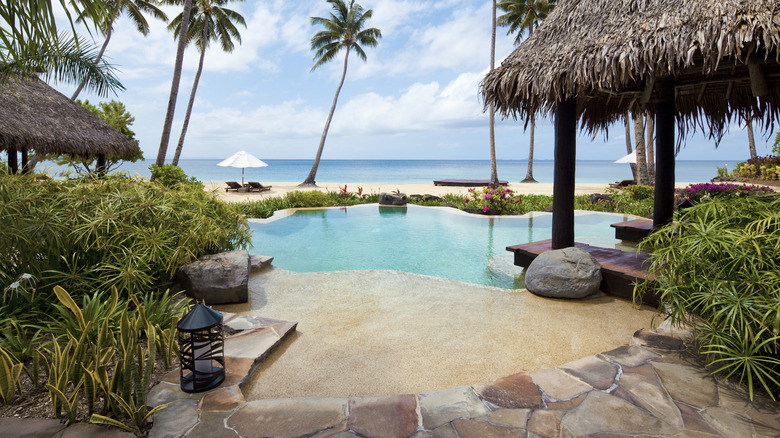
641	156
309	181
751	140
529	174
179	145
650	148
630	148
166	134
97	60
493	165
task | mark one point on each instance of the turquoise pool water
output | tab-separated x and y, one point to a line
431	241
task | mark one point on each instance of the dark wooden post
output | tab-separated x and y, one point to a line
25	169
13	163
563	177
101	165
664	153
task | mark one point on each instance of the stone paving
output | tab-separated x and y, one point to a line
655	387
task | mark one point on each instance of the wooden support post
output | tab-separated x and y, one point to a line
13	163
25	167
101	165
563	178
664	154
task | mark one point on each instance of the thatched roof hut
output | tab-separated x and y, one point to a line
34	116
609	53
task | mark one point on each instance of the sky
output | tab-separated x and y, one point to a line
416	97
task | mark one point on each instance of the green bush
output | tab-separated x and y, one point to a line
489	200
719	271
89	234
171	176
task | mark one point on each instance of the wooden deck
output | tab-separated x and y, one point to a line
620	270
466	182
634	230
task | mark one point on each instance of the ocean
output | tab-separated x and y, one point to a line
372	171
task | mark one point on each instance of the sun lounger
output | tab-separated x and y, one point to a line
233	185
257	186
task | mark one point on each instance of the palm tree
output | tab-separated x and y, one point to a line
344	29
522	15
641	155
210	21
493	164
134	10
166	134
629	147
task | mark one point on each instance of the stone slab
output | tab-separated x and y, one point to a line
287	417
165	392
441	407
604	413
510	417
29	427
212	425
693	420
515	391
631	356
545	423
223	399
651	339
592	370
383	417
175	420
259	262
653	397
254	343
688	384
466	428
88	430
559	385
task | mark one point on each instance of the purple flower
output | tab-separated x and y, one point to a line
485	209
466	200
488	197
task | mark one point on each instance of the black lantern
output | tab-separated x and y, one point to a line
201	349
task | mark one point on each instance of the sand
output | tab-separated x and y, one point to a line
280	188
371	333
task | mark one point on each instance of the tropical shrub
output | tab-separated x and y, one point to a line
171	176
719	271
760	168
491	200
704	191
92	234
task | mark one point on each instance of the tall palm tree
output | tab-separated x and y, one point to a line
493	164
343	30
629	147
641	153
525	15
134	10
166	134
209	22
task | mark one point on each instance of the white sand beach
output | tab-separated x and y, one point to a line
280	188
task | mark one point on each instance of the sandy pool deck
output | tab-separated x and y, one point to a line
367	333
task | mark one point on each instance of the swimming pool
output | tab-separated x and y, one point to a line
441	242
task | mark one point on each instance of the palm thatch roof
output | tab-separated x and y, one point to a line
608	54
35	116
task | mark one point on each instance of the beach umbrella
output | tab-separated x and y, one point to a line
630	158
242	159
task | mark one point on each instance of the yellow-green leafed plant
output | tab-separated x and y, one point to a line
63	368
718	269
139	415
10	371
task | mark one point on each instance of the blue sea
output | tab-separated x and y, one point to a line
370	171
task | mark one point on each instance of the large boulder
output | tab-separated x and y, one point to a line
392	198
563	273
217	279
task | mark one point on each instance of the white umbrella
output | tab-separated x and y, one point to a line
242	159
630	158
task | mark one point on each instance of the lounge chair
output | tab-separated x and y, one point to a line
257	186
233	185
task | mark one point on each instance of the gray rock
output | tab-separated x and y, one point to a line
259	262
563	273
392	199
217	279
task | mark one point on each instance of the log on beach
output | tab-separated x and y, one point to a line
466	182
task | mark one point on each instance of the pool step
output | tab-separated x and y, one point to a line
620	270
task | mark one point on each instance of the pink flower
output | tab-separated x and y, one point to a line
485	209
466	200
488	196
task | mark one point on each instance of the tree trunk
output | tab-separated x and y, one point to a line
493	165
630	148
650	148
529	174
179	145
97	60
751	140
166	134
309	181
641	157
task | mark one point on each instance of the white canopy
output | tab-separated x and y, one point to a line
242	159
630	158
